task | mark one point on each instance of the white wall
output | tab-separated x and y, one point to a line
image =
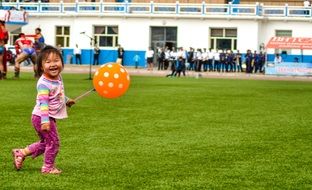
134	33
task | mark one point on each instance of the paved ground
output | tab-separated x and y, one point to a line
86	68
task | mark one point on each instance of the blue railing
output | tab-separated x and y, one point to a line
178	9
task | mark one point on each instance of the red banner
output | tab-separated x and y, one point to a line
289	43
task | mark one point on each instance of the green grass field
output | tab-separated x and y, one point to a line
167	133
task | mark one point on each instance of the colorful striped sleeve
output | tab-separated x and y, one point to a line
43	97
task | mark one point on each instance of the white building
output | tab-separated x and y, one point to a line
137	26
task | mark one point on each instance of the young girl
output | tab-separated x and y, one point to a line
50	105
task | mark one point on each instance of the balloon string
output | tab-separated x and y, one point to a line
84	94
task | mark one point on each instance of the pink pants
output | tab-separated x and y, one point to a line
48	144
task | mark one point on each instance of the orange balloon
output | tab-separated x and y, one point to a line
111	80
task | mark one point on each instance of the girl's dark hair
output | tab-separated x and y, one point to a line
43	55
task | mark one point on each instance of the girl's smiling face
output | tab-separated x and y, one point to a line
52	66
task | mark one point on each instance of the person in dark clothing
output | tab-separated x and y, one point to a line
180	63
173	69
161	58
198	62
120	54
262	61
248	60
256	62
222	61
96	55
190	59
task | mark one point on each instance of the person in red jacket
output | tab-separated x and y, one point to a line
3	40
27	50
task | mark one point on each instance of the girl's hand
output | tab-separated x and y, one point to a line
70	102
45	127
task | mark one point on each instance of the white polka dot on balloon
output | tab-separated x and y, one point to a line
120	85
109	65
122	70
106	74
128	78
105	92
116	75
96	73
110	85
101	83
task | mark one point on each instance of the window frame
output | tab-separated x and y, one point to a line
106	34
65	37
213	39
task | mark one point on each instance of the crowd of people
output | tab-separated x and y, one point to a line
205	60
